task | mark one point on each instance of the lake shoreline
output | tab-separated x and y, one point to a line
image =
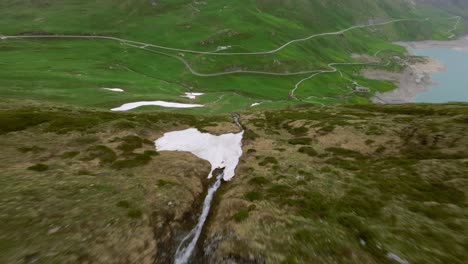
416	78
460	44
418	75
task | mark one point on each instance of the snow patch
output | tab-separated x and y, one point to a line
129	106
255	104
223	48
192	95
114	89
222	151
396	258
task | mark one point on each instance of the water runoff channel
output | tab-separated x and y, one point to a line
223	152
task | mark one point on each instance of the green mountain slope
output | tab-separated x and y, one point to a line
72	70
454	6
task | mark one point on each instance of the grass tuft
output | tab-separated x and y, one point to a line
241	216
309	151
300	141
39	167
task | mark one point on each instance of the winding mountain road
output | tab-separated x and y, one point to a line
216	53
145	46
454	27
194	72
333	69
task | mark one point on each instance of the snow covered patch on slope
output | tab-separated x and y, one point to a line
220	48
192	95
396	258
113	89
222	151
129	106
255	104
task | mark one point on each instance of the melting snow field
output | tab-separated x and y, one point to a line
221	151
192	95
114	89
129	106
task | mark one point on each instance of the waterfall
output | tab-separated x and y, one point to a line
187	245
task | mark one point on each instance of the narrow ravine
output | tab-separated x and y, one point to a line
187	246
223	152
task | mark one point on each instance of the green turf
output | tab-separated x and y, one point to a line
71	71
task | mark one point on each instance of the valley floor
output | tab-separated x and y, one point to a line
282	76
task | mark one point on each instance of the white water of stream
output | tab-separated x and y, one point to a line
184	250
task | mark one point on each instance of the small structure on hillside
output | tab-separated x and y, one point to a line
361	89
223	48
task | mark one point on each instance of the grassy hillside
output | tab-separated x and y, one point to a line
454	6
347	185
344	184
72	70
89	186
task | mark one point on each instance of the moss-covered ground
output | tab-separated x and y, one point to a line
343	184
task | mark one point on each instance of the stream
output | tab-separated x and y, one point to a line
185	248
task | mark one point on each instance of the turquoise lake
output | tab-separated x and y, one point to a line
450	85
